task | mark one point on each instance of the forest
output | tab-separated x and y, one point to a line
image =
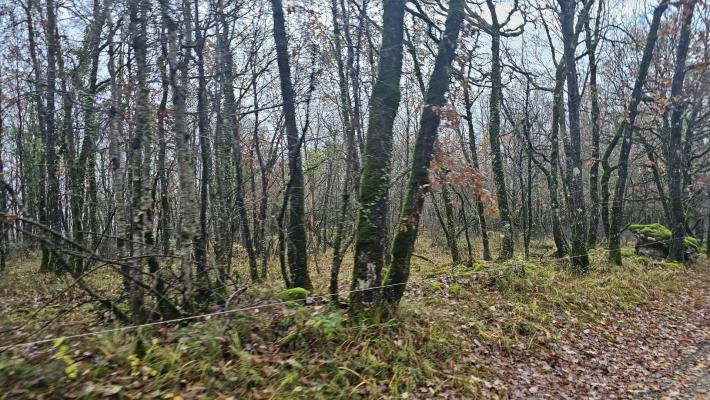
285	199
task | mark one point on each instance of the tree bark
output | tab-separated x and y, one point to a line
494	137
162	169
52	195
591	43
371	231
451	230
408	225
3	199
480	211
224	226
676	151
202	239
351	161
178	70
140	150
579	257
117	166
296	235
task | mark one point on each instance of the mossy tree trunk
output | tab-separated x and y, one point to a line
579	257
371	231
494	137
676	153
627	128
296	234
408	225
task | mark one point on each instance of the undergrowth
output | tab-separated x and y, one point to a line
434	346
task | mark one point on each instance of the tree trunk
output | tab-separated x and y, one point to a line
527	125
474	161
3	200
496	151
164	215
657	180
139	153
371	231
202	239
297	255
607	170
116	157
178	70
617	205
231	127
40	208
676	151
591	43
408	225
52	194
528	205
580	259
83	166
451	230
351	162
224	228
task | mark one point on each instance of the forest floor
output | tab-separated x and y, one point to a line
513	330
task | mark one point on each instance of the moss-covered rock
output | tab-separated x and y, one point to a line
293	294
690	241
653	240
627	252
656	232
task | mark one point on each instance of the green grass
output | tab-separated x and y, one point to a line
313	352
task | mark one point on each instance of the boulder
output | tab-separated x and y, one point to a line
654	240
